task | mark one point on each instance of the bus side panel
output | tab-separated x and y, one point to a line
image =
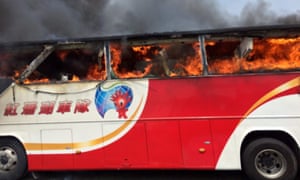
182	100
178	115
34	161
129	151
57	135
164	145
196	142
223	100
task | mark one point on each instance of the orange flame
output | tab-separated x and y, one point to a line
62	55
124	73
75	78
94	73
273	54
193	65
148	55
277	54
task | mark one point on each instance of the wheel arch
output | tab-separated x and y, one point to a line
12	137
279	135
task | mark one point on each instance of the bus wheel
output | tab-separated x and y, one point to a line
268	158
13	161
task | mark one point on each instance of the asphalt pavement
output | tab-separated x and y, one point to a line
138	175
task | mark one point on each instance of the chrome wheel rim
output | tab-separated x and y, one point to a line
270	163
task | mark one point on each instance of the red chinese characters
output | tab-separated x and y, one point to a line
29	108
82	105
47	107
64	106
11	109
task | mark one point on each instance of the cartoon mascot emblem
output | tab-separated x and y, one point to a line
118	97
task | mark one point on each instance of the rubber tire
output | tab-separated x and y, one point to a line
256	146
21	167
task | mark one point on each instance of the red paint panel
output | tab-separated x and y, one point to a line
34	162
223	100
90	160
197	144
164	145
129	151
58	162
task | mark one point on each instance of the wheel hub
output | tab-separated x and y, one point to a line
270	163
4	159
8	159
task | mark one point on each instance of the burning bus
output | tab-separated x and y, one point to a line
218	100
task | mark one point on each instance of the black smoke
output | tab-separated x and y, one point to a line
260	13
29	20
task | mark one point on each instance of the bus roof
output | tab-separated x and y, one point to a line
253	31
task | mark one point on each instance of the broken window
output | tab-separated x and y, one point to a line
15	60
231	56
53	63
161	58
221	56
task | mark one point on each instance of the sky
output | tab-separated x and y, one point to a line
34	20
281	7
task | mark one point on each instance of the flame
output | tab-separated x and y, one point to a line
75	78
143	50
29	81
62	55
16	74
124	73
94	73
272	54
44	80
193	65
275	54
148	55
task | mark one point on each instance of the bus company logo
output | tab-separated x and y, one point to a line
116	97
